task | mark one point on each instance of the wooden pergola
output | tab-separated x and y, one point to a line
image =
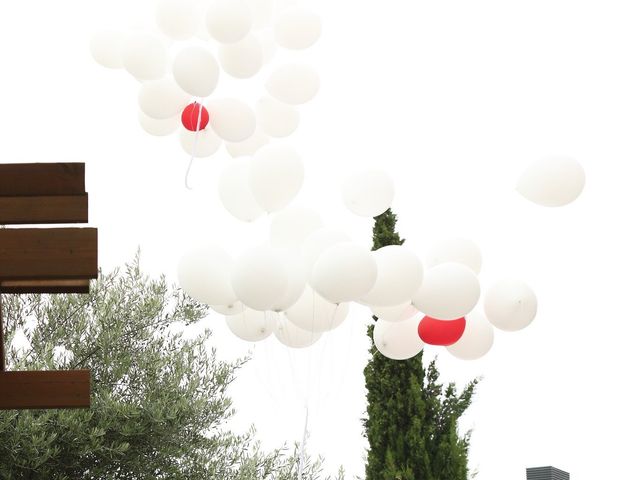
44	260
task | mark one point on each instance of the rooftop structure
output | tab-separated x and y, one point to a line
546	473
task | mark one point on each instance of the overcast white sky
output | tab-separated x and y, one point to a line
454	99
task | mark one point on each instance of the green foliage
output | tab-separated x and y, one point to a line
412	419
384	231
159	401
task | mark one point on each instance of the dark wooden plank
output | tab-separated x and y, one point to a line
48	253
44	286
17	179
54	389
44	209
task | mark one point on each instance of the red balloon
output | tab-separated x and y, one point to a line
190	117
441	332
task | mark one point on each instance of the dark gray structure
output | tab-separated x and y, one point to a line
546	473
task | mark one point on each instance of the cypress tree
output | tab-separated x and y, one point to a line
412	419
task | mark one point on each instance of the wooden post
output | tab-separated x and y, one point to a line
44	260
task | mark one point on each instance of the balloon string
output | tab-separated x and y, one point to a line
265	383
193	150
256	372
294	374
305	432
321	351
343	371
310	349
328	339
186	175
304	398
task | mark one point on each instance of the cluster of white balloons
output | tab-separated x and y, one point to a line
300	282
182	63
449	290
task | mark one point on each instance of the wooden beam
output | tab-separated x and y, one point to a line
44	286
29	179
48	253
53	389
44	209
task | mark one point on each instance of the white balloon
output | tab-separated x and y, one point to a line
293	83
162	99
297	28
313	313
178	19
510	305
398	340
292	226
106	48
196	71
276	118
199	144
144	56
552	182
229	21
449	291
344	272
319	241
242	59
296	280
477	339
231	309
252	325
235	192
399	276
293	336
396	313
232	119
249	146
276	176
458	250
259	278
368	193
204	274
159	128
